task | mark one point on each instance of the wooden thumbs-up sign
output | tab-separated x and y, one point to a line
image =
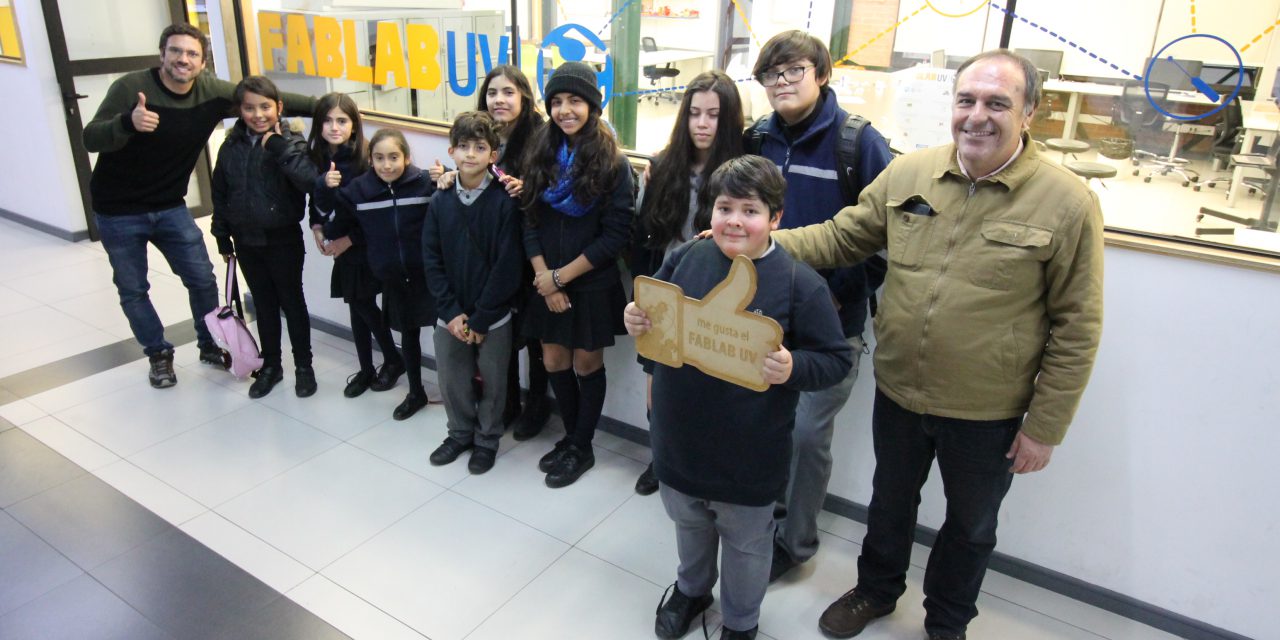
714	334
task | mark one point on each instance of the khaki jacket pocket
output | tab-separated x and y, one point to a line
910	224
1009	253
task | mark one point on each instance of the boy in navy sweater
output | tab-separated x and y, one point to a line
471	252
721	452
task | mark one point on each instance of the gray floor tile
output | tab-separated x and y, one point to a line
80	609
28	467
183	587
89	521
29	567
283	619
5	425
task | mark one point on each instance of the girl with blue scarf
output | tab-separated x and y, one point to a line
578	201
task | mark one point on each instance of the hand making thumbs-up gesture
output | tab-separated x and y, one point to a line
333	177
143	120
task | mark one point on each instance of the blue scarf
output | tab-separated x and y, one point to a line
560	194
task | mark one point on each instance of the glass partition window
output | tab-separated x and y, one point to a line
1171	150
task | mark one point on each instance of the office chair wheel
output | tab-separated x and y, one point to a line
1253	191
1196	188
1136	172
1147	179
1186	183
1199	217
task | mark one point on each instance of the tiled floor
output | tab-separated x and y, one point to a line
120	504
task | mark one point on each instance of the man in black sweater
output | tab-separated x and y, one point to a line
721	452
149	132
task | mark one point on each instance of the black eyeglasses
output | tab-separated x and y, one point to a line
793	75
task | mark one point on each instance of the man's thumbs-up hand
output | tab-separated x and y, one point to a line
143	120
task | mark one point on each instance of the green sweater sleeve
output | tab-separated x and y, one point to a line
112	126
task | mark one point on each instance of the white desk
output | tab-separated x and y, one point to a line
655	58
1076	89
1259	122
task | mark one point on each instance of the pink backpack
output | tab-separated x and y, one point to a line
229	331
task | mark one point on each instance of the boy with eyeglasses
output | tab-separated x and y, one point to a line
802	136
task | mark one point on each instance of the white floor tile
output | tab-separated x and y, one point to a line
134	418
101	307
446	567
232	454
579	596
515	487
72	444
1067	610
95	386
330	504
639	518
37	327
330	411
66	281
12	302
408	444
71	345
150	492
270	565
20	412
623	447
348	613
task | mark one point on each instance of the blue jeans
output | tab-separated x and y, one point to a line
178	238
975	479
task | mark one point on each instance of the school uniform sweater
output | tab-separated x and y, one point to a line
600	234
472	255
391	216
144	172
345	162
259	191
806	155
716	440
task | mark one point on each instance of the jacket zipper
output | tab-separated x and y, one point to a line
395	220
942	272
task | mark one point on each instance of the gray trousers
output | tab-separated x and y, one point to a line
797	513
456	363
747	533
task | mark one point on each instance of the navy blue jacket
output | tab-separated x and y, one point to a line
391	216
716	440
600	235
259	191
813	190
345	161
472	255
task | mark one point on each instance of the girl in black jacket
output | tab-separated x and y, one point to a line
389	203
578	202
259	187
338	150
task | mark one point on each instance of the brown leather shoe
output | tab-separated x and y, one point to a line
849	615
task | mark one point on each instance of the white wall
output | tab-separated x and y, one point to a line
37	178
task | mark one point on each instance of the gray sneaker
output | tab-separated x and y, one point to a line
161	374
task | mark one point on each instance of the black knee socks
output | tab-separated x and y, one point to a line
565	385
537	371
591	388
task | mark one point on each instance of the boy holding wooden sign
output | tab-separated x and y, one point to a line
720	449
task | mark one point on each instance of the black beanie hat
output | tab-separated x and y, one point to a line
578	78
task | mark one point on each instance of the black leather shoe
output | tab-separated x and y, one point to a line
358	383
410	406
537	410
945	635
304	381
782	562
448	451
387	376
572	464
548	460
267	376
849	615
482	460
676	613
647	483
729	634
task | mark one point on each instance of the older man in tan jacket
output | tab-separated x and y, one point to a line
987	332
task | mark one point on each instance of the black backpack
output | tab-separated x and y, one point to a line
846	150
846	173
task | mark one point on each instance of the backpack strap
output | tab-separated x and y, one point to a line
847	152
753	137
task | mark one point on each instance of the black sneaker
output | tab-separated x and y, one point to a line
387	376
482	460
849	615
729	634
647	483
781	564
161	374
549	460
537	410
675	614
304	381
267	377
572	464
358	383
216	356
410	406
448	451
